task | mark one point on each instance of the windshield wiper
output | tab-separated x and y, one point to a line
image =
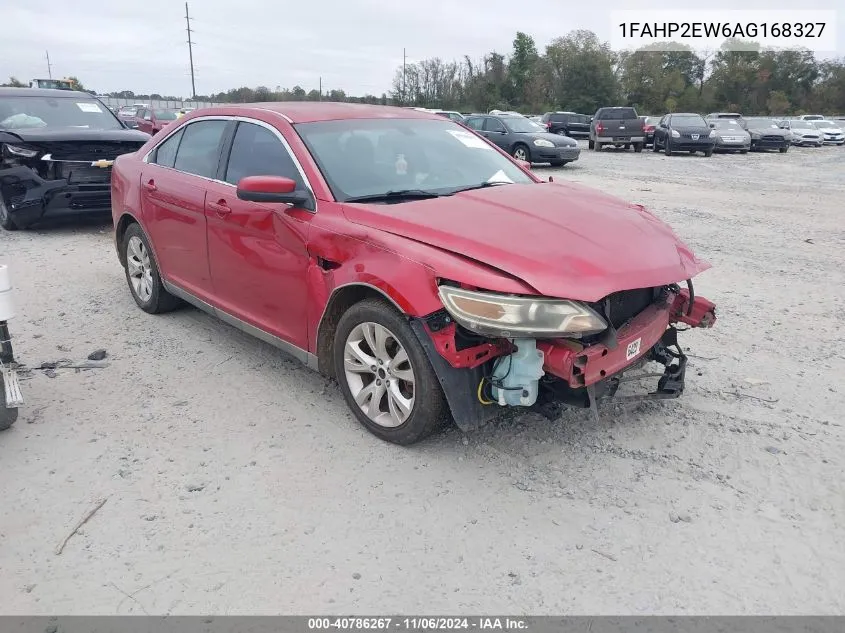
483	185
396	196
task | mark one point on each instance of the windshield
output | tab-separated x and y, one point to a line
727	124
520	125
688	119
165	115
618	114
47	112
370	157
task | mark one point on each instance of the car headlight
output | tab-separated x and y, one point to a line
505	316
712	133
21	150
541	142
676	134
754	135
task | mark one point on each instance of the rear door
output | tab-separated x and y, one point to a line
173	189
257	251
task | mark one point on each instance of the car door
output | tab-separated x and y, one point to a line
257	251
496	131
660	130
173	189
143	120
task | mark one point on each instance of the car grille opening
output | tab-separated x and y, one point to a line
627	304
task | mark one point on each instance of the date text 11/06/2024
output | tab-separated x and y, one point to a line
417	624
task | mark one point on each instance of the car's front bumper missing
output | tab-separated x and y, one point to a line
35	199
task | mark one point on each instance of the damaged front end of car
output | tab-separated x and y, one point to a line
47	179
491	350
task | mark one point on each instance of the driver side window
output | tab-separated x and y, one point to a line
256	151
493	125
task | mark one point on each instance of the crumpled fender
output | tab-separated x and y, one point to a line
36	189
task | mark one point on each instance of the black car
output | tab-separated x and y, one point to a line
525	140
684	132
56	152
567	123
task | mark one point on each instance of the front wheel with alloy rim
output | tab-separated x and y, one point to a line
385	375
521	152
142	274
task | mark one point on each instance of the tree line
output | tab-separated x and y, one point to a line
579	72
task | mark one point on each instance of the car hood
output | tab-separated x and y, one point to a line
559	140
703	130
40	135
564	240
766	129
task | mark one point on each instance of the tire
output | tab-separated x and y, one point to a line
708	153
5	219
743	151
428	410
148	292
783	150
590	144
597	146
666	148
521	148
7	416
638	147
627	146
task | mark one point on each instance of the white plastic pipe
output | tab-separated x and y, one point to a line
7	310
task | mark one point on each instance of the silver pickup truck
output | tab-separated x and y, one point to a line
620	127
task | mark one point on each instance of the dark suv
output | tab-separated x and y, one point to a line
567	123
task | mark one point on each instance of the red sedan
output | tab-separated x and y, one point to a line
429	273
153	120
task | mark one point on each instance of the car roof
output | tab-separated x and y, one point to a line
312	112
44	92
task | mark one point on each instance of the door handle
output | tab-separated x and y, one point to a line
220	207
150	185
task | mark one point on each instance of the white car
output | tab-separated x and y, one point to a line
804	133
832	132
810	117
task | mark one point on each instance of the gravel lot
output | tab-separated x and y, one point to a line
237	482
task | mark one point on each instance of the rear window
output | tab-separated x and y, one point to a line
617	114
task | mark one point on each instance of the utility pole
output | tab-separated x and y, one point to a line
49	66
403	76
321	89
190	52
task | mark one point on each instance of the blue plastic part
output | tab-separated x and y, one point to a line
516	377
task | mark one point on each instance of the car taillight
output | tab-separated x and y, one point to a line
599	128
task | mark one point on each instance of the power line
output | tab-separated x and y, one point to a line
190	52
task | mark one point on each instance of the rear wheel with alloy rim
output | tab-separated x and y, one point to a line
385	375
142	274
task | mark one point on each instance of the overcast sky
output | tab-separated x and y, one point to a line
355	45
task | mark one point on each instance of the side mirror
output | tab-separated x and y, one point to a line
272	189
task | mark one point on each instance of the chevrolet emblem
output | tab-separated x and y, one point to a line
102	163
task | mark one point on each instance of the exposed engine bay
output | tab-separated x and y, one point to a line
631	329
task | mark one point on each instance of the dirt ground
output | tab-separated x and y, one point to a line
237	481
